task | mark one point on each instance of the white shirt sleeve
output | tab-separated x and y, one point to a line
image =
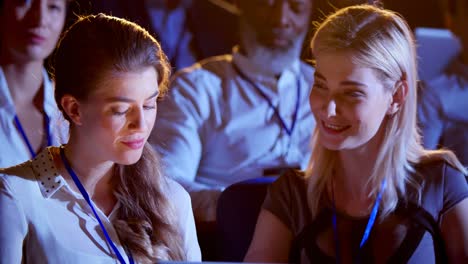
13	226
186	222
176	135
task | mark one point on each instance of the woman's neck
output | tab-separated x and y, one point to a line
95	175
353	173
24	81
351	188
356	166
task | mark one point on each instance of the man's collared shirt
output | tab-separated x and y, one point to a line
215	128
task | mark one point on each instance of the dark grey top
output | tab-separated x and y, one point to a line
443	187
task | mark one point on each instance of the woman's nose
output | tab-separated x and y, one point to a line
331	108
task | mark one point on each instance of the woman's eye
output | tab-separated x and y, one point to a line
55	7
149	107
119	112
355	94
319	86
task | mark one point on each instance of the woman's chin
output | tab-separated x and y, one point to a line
332	145
129	158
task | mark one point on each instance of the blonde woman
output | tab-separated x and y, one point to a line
371	193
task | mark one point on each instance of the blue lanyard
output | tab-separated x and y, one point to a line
86	196
370	222
289	130
25	137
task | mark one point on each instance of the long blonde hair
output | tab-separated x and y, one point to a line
381	40
91	50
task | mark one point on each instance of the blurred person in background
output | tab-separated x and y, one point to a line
29	118
443	107
167	20
243	115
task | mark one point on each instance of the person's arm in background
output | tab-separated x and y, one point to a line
177	137
430	116
13	226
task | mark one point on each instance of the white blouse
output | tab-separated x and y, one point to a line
42	220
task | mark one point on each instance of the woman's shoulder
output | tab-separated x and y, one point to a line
18	176
289	189
443	185
287	200
32	177
19	186
292	179
437	171
290	186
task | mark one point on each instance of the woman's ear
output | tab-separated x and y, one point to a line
398	97
71	107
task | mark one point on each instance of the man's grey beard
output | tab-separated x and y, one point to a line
272	61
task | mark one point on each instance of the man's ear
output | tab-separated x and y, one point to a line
398	97
71	108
